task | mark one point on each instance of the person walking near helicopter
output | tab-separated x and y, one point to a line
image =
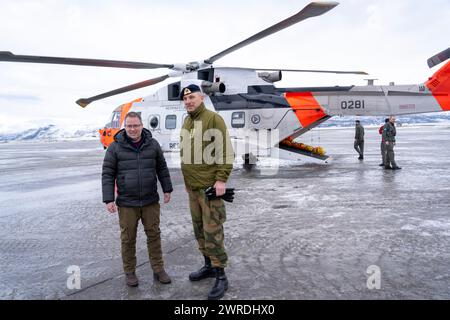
135	162
359	139
206	161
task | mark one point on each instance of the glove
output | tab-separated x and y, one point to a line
227	196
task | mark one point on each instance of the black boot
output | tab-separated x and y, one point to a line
220	286
205	272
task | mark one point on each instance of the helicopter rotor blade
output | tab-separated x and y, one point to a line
10	57
307	70
85	101
438	58
311	10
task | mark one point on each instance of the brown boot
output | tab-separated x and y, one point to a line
131	279
162	277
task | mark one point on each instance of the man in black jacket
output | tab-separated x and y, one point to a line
135	162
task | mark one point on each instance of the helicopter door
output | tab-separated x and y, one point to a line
168	134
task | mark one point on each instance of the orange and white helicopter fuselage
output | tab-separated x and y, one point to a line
252	105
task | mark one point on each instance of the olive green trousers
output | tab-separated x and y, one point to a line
128	220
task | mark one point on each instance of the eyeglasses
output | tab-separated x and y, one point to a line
133	126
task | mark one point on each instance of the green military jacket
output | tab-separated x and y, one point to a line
205	149
359	133
389	132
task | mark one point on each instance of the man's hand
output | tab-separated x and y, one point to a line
387	143
166	197
111	207
220	188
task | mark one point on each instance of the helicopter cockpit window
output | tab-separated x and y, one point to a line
153	122
115	121
238	119
171	121
173	90
206	74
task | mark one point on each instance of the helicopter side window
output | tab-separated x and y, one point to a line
153	122
238	119
171	121
173	91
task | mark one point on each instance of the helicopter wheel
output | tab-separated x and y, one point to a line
249	161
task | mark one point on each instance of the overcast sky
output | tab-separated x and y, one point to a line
390	39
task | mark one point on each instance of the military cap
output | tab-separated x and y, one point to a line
189	89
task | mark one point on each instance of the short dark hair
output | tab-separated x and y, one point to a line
132	114
357	121
386	120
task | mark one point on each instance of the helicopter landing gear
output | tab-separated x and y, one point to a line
249	161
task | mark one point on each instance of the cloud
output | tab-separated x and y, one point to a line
18	97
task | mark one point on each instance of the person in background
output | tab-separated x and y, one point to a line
359	139
383	144
389	133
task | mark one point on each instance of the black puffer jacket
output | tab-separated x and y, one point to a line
135	170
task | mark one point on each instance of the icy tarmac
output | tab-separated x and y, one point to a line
311	231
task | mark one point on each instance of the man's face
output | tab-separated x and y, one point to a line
133	128
392	119
192	101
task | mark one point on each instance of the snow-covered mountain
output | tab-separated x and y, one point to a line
50	132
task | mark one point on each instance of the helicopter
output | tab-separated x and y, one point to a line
251	105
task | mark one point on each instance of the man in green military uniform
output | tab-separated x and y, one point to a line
206	160
359	139
389	133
